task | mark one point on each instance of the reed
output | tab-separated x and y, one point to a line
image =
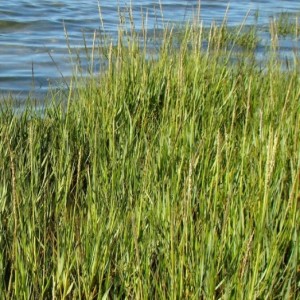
170	175
287	24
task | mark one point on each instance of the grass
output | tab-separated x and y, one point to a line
243	38
287	24
172	177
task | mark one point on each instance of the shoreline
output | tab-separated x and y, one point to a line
285	27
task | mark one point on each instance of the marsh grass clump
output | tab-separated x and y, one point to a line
244	38
287	24
218	37
172	176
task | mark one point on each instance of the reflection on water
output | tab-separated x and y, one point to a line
33	48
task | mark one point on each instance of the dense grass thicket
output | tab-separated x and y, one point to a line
172	176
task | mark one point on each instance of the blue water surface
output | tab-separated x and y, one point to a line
33	49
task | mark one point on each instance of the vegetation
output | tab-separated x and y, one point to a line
169	176
287	24
244	38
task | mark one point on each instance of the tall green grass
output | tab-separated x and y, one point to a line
287	24
171	177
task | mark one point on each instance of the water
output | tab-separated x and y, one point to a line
33	48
